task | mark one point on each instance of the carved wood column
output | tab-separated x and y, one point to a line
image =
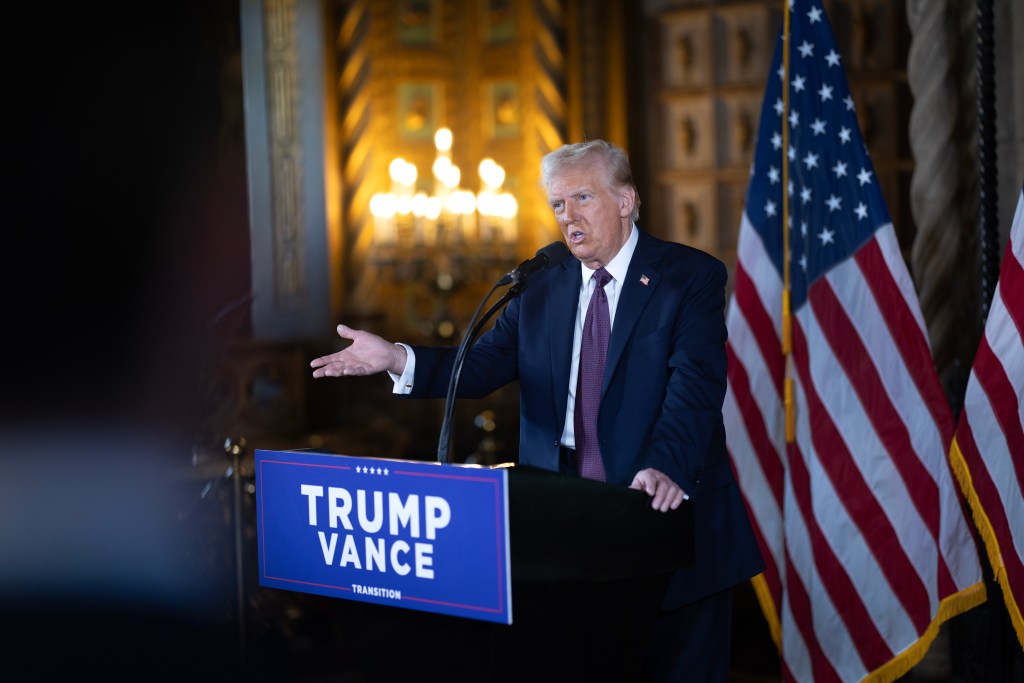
943	190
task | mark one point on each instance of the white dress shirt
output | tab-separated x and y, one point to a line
617	268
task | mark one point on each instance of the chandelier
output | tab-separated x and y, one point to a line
441	232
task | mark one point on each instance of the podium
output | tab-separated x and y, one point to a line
567	529
589	562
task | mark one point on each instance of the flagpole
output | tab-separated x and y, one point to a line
988	216
787	323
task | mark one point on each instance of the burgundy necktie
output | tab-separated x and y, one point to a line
597	329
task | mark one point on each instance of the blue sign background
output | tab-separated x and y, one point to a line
469	557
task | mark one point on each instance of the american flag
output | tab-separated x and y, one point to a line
988	452
867	546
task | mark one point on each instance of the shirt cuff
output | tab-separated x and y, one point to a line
403	382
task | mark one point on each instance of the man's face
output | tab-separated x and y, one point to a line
595	220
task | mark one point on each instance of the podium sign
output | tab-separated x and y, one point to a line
425	536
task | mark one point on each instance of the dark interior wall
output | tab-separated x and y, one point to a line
124	234
125	228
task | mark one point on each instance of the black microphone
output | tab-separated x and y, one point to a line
546	257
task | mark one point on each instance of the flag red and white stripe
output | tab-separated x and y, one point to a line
988	452
867	546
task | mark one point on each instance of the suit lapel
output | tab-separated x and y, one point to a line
563	298
642	280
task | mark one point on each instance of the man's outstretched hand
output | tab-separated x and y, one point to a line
368	354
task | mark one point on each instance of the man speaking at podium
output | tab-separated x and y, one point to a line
621	362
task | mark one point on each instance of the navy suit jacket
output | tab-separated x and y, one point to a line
661	406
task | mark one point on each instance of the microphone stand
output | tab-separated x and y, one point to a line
444	443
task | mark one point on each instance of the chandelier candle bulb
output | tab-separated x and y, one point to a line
432	229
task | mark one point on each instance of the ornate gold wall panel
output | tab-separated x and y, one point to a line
492	71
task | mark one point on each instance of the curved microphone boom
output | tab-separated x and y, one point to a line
546	257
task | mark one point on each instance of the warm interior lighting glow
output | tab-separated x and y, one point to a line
432	230
449	215
443	139
506	206
383	205
403	205
402	172
447	172
491	173
462	202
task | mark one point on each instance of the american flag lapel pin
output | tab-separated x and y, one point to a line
644	280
